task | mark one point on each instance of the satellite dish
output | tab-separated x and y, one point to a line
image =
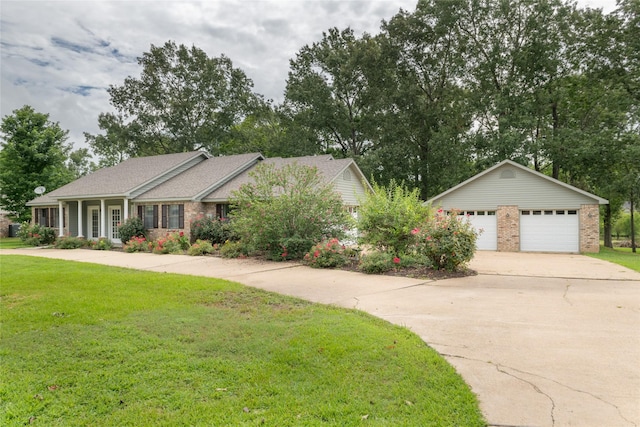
39	190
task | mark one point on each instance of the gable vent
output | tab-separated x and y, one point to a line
507	174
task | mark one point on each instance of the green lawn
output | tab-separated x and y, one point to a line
85	344
622	256
11	243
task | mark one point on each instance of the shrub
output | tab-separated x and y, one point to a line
138	244
215	230
36	235
327	254
200	247
387	215
378	262
172	243
287	210
131	227
289	248
448	241
70	242
102	244
234	250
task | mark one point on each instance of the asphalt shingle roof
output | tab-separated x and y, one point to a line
120	179
328	167
206	175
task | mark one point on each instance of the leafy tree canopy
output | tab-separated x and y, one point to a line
183	101
34	152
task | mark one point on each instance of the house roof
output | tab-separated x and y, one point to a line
183	176
474	178
200	180
122	179
328	167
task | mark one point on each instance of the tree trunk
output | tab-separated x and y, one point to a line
555	173
633	226
607	226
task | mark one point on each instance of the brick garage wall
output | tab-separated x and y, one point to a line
508	218
589	228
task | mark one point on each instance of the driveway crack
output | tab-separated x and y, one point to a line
566	291
500	368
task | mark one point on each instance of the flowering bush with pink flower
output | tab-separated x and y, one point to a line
173	243
138	244
284	210
327	254
36	235
387	215
447	240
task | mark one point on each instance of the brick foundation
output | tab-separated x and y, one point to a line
508	218
589	228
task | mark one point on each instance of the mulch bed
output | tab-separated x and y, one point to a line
419	272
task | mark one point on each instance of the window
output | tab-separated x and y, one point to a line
222	210
149	216
173	216
48	217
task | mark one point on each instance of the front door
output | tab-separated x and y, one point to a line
93	223
114	220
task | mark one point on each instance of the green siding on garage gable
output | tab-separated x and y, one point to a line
513	185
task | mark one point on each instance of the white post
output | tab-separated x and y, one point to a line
103	217
126	209
60	220
80	219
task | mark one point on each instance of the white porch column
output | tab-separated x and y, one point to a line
126	209
60	220
80	219
103	217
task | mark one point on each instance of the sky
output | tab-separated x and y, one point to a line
60	57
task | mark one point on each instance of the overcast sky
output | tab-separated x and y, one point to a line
60	56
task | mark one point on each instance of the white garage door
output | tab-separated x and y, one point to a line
549	230
485	221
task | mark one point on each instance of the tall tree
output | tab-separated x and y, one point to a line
423	113
183	101
79	163
34	151
328	92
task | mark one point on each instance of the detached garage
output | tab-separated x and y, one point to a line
519	209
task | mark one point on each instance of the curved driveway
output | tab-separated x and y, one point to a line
542	339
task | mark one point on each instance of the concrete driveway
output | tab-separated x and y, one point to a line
542	339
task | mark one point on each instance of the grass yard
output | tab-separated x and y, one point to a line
86	344
621	256
11	243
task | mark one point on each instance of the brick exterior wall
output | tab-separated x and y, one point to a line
4	225
508	218
192	211
589	228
